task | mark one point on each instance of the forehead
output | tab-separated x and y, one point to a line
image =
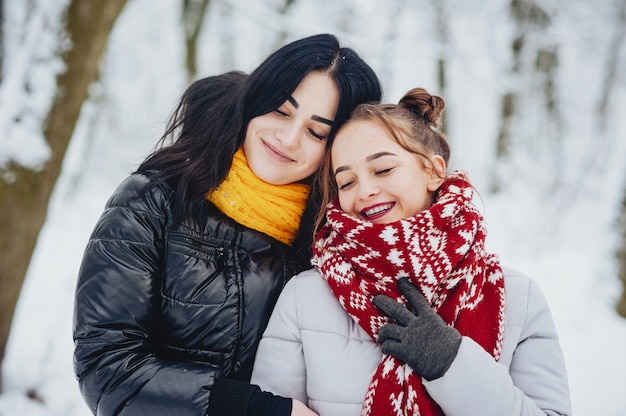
360	138
317	94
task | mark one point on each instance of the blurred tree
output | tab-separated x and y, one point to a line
1	35
609	85
25	192
529	22
611	77
621	258
193	15
283	10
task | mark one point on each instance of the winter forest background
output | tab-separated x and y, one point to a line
536	94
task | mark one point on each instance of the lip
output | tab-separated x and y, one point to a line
373	212
275	153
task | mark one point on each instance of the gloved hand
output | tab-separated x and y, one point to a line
420	338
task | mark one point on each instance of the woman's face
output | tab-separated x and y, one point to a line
377	179
287	145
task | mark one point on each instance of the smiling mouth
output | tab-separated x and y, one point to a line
275	153
377	210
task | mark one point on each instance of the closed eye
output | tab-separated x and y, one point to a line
384	171
344	186
316	135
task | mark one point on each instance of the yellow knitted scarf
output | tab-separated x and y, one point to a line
275	210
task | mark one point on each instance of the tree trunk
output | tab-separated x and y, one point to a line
194	12
621	257
1	37
24	193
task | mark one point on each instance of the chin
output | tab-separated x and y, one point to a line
272	180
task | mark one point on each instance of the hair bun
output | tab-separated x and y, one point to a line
424	105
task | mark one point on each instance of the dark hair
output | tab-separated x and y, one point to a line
209	124
412	123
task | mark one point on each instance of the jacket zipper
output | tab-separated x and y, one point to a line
200	245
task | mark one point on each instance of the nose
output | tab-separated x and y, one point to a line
367	188
289	135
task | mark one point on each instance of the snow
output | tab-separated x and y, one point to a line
555	218
21	120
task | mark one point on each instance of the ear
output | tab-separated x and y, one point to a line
436	173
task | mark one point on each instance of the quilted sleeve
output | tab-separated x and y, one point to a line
531	380
279	364
115	310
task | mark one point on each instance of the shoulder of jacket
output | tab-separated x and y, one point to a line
520	284
515	278
309	291
524	297
319	310
139	189
309	280
516	287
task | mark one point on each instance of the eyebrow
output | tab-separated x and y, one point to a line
293	102
322	120
379	154
368	159
296	105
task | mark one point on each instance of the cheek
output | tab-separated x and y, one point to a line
259	123
343	202
249	133
316	155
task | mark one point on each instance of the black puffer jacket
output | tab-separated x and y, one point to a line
162	311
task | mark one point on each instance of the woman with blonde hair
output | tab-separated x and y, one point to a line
405	312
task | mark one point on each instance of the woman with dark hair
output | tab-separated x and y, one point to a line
185	264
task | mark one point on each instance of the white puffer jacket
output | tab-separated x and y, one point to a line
313	351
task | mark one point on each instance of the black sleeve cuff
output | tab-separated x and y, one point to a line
236	398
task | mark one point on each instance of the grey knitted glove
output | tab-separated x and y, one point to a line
420	338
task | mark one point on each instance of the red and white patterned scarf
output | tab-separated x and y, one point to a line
441	250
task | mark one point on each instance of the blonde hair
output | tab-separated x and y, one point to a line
412	123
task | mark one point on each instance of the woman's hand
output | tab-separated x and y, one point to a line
419	337
299	409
